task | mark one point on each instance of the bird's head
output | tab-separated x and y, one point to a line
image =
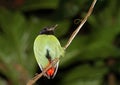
48	30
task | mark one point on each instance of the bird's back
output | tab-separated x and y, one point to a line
47	47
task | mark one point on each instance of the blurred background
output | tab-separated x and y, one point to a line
91	59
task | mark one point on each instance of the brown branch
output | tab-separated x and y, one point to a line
32	81
81	24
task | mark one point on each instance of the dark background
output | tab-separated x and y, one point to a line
91	59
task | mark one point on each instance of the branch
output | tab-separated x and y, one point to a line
80	26
32	81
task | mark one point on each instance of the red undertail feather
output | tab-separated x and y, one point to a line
51	71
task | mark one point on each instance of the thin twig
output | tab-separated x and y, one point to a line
32	81
80	26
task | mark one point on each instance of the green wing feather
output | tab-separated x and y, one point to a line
42	44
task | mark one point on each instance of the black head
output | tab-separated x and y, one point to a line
48	30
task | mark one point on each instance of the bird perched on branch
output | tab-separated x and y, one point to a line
46	48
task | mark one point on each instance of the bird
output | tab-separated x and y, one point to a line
46	48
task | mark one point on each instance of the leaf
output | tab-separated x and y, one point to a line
40	4
85	75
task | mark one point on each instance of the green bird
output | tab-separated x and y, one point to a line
46	48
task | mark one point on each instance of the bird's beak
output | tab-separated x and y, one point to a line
53	27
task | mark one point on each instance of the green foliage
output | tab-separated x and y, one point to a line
14	50
17	34
87	75
40	4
